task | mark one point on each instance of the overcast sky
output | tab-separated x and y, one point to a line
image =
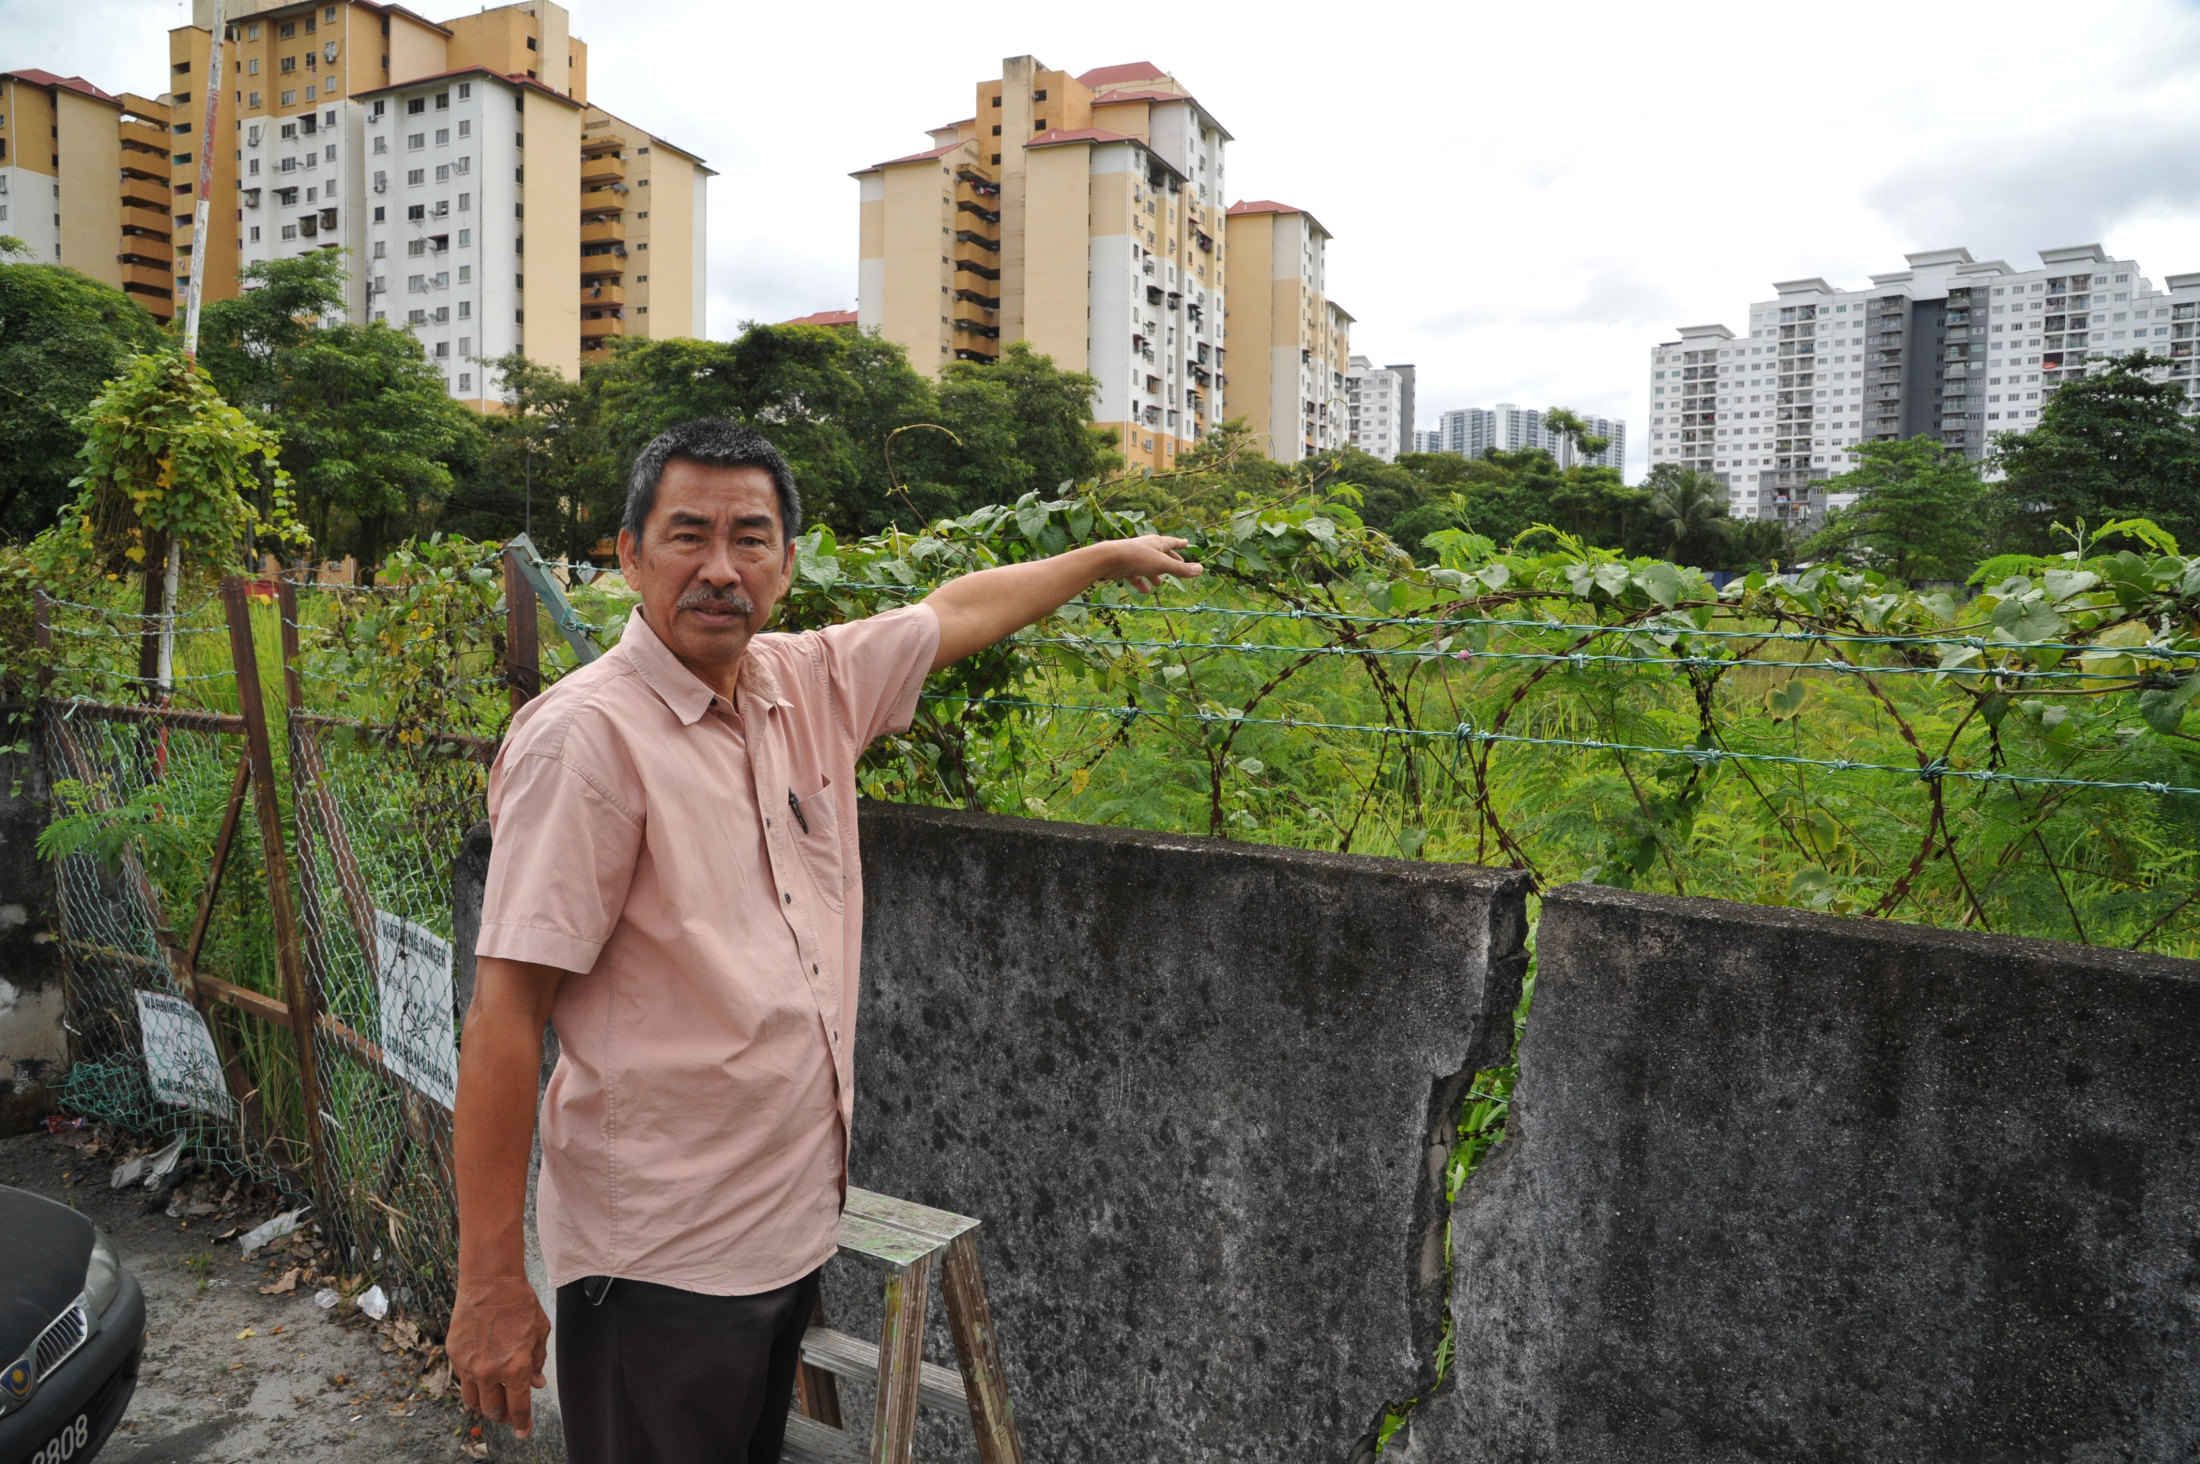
1525	198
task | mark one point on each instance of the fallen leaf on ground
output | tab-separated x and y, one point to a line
247	1332
287	1284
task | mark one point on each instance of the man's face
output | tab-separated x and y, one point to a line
711	563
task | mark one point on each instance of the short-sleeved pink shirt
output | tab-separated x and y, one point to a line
695	1131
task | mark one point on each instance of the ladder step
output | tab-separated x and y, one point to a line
855	1359
937	1225
811	1442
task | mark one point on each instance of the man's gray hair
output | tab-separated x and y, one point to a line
718	442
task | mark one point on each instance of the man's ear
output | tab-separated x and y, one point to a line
630	553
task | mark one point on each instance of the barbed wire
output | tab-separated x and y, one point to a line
1465	733
1578	659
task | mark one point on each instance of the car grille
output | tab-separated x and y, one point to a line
62	1337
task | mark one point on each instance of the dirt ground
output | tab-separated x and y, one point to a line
230	1373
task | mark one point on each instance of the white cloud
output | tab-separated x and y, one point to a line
1525	198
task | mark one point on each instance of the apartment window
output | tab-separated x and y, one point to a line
443	101
381	144
463	166
286	165
252	31
417	284
290	231
416	247
309	25
255	99
284	30
416	317
465	90
286	197
287	99
252	66
416	213
414	106
465	274
465	380
465	236
415	141
414	177
996	129
465	205
465	307
519	139
328	153
442	280
289	63
374	113
378	213
442	136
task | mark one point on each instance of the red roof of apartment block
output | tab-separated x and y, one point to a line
1113	75
37	77
825	318
1056	135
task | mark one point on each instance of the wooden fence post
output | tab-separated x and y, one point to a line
522	642
275	856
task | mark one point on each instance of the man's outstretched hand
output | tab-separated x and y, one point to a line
978	609
1146	559
498	1342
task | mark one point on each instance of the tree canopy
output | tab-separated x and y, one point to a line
2116	444
63	336
1916	516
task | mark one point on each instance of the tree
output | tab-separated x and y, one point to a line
371	435
1688	515
1046	413
1916	517
62	336
1563	422
2116	444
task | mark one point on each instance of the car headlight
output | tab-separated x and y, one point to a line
102	1275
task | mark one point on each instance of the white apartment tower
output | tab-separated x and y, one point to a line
1379	408
1474	431
1951	348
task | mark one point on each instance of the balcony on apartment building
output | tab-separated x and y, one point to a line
977	210
602	327
978	241
608	199
140	277
980	183
603	294
975	263
145	193
601	170
979	298
603	231
149	136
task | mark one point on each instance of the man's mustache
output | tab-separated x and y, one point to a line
730	600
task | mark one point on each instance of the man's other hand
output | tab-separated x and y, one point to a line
498	1342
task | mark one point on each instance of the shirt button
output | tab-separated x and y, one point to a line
813	970
790	897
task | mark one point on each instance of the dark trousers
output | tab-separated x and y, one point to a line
655	1375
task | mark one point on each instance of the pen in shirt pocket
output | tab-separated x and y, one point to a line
796	804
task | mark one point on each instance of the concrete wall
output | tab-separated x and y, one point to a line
1787	1187
1200	1093
34	1046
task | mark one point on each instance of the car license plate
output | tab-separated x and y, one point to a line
67	1444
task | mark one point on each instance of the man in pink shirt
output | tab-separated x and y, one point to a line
676	886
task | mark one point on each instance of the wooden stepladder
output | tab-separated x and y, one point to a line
913	1243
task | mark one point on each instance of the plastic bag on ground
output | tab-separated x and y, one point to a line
374	1303
325	1298
281	1225
130	1171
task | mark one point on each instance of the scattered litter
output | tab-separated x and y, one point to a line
229	1234
478	1449
288	1284
247	1333
58	1124
437	1380
325	1298
280	1226
163	1164
374	1303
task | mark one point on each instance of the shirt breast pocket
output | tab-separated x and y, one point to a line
817	837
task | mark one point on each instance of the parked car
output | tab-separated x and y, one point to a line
72	1332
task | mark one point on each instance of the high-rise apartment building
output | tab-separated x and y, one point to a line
1951	348
1379	408
84	181
1293	343
1081	213
1473	431
481	200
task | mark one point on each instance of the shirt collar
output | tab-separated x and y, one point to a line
679	688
